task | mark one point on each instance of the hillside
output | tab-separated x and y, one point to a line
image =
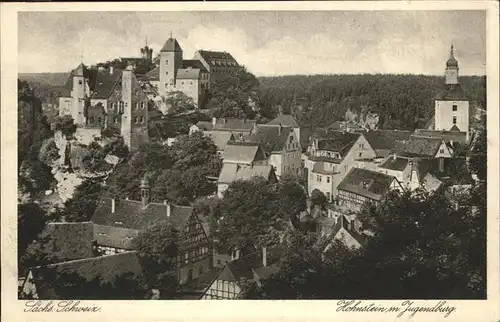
402	101
50	79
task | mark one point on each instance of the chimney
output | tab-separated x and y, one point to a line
280	110
214	121
264	256
223	120
111	69
441	164
169	209
113	203
279	129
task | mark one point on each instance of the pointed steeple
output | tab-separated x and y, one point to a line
452	62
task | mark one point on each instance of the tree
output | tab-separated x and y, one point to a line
49	153
178	103
196	150
249	214
35	176
292	196
83	203
31	220
318	198
66	125
158	247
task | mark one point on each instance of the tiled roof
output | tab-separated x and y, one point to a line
194	63
221	138
205	125
132	215
117	237
284	120
342	222
104	84
384	141
242	152
243	267
452	92
154	74
171	45
420	146
213	57
106	268
447	136
395	163
188	73
366	183
338	142
71	240
271	138
231	172
234	124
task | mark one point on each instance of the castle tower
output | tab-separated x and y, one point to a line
451	107
78	95
147	53
170	62
126	124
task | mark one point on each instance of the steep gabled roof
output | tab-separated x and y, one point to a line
284	120
243	152
369	184
420	146
231	172
221	138
343	225
451	135
234	124
214	57
194	63
153	75
386	140
338	142
105	268
272	138
131	214
171	45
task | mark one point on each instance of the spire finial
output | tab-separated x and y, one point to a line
170	33
451	51
146	41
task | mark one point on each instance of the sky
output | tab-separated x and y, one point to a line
268	43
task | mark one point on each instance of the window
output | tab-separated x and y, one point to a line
186	257
218	262
171	82
454	107
328	196
143	105
318	178
91	119
441	151
99	120
328	179
137	105
360	154
142	119
166	73
454	120
166	62
80	82
136	119
116	119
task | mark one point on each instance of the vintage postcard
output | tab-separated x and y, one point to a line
311	161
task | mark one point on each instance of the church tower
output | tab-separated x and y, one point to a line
451	106
78	94
451	72
170	62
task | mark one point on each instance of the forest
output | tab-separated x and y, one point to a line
402	101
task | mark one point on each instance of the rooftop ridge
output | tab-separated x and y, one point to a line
81	260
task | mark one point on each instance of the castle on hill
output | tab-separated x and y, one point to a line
119	99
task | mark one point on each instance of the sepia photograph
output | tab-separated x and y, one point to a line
252	155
